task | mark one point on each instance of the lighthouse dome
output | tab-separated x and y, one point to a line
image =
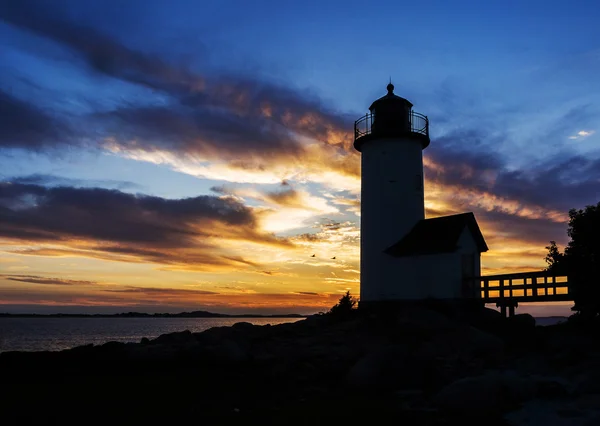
390	100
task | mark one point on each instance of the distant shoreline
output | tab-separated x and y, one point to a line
194	314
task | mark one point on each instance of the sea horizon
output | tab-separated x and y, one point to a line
47	333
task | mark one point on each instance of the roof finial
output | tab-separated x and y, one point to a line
390	87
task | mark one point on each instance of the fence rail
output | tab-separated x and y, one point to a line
419	123
507	290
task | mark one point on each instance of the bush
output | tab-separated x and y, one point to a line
345	306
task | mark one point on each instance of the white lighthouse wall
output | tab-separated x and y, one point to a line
467	245
391	204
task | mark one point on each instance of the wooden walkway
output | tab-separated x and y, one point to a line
507	290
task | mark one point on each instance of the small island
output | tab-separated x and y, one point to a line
193	314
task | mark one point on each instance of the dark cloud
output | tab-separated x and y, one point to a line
160	291
511	227
563	182
467	159
330	226
195	130
53	180
464	156
225	114
308	237
23	125
36	279
111	223
100	52
288	197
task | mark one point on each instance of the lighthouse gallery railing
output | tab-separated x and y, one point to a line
419	123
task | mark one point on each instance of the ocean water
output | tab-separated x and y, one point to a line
55	334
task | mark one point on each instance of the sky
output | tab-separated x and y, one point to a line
162	156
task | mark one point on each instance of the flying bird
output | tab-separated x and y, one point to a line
333	258
313	255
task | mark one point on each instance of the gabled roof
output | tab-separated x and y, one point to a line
438	235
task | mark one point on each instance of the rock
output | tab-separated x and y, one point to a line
229	351
551	388
262	356
562	343
175	339
486	319
243	326
466	342
80	350
556	413
589	382
112	345
424	321
480	396
521	322
587	402
382	369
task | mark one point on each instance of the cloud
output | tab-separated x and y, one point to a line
284	209
114	225
23	125
53	180
582	134
174	299
35	279
243	121
463	170
161	292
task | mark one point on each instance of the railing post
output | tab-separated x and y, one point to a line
503	310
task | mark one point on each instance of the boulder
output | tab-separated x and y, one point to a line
486	319
243	326
480	396
174	339
229	351
383	369
466	342
589	382
551	387
521	322
551	413
424	322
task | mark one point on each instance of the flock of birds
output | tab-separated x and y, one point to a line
333	258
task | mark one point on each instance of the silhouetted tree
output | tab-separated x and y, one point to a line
345	306
554	258
581	259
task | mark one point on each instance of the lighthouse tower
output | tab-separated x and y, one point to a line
404	256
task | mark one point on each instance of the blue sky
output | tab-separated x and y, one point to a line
176	99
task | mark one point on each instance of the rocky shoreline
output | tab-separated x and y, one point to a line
422	366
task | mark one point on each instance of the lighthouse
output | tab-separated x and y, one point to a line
403	255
